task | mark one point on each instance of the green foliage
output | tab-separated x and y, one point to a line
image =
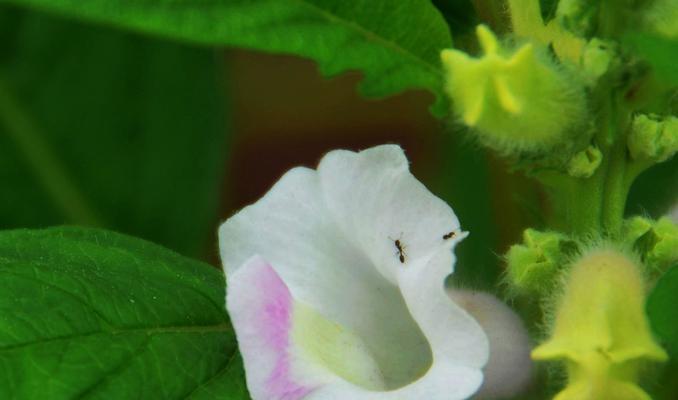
661	308
655	190
385	42
463	183
124	131
459	14
659	52
103	128
89	313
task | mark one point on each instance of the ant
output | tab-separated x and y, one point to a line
401	250
449	235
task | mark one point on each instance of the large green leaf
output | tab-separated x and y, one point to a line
395	44
661	308
90	313
103	128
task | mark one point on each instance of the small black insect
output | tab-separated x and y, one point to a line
449	235
401	250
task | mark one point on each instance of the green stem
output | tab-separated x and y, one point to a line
577	202
595	205
617	183
586	202
616	191
45	165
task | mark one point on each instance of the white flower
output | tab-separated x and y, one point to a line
336	286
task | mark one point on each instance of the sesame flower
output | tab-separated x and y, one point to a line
336	286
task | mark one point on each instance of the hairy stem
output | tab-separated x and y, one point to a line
595	205
616	191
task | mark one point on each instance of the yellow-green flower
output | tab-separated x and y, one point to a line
515	100
601	330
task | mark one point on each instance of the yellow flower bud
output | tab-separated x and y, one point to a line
601	330
516	100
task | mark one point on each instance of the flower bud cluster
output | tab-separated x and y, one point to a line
653	137
655	241
533	265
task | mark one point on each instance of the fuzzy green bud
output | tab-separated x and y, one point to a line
601	331
533	264
516	100
653	138
577	15
655	241
585	163
635	228
596	59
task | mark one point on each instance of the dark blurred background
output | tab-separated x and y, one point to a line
163	140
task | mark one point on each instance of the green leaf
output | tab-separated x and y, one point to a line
463	183
459	14
660	52
397	46
90	313
655	190
661	309
98	127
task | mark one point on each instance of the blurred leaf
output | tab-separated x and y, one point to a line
548	9
464	183
459	14
397	46
661	308
659	51
655	190
89	313
103	128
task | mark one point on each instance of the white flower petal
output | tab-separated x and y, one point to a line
260	307
376	200
292	229
451	332
271	324
331	237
